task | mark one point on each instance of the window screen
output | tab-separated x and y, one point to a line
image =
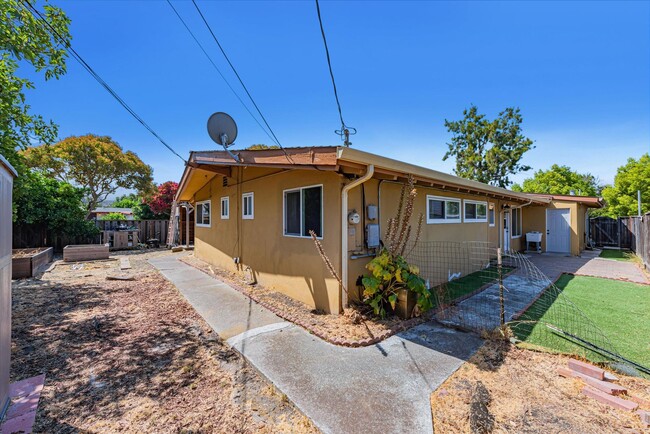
436	209
292	213
312	209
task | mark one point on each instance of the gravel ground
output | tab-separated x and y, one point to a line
133	356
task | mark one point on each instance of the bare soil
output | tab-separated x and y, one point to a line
528	396
355	325
133	356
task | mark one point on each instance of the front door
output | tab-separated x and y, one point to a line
558	230
506	230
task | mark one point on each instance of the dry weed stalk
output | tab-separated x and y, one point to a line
326	260
399	229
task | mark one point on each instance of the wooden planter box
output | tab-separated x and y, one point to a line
85	252
25	262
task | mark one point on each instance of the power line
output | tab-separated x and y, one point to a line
94	74
220	73
239	78
345	131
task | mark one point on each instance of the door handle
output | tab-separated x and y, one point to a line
548	232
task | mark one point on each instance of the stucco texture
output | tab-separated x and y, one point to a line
290	265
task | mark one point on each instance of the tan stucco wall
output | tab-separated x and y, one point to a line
437	272
535	220
289	265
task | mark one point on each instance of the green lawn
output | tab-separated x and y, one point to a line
620	309
618	255
472	282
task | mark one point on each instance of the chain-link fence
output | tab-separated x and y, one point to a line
478	287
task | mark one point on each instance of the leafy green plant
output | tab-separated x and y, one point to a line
390	274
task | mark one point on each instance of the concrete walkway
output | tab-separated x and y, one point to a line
382	388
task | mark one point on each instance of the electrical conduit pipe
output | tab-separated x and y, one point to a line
344	224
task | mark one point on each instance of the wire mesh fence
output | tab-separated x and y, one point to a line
478	287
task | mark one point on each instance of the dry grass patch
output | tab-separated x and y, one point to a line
133	356
528	396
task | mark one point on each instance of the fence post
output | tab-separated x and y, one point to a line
501	300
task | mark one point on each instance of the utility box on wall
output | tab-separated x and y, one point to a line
372	235
7	175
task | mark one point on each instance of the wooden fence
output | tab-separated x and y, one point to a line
609	232
147	229
36	235
639	228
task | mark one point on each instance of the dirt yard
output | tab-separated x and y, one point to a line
528	396
133	356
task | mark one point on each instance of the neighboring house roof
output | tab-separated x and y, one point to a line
204	165
107	209
590	201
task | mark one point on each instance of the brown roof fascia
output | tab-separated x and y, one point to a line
320	157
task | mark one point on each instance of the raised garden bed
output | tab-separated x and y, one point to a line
85	252
25	262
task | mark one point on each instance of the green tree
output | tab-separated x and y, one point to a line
143	212
55	204
96	163
560	180
621	197
24	40
113	216
126	201
488	151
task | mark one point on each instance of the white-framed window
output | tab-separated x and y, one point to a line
443	210
516	222
202	212
475	211
303	211
225	208
247	206
491	215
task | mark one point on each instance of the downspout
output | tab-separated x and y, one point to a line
344	233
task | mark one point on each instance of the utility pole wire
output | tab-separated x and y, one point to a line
239	78
52	31
345	130
220	73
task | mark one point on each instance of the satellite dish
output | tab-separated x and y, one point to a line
222	129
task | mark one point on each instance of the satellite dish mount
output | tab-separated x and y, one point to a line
222	129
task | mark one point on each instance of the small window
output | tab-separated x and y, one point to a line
491	216
303	211
516	222
225	208
475	212
247	206
202	212
443	210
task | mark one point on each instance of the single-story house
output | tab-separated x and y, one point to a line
101	211
254	214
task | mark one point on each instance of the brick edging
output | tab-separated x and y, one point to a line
352	343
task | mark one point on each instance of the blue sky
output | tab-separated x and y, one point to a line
579	71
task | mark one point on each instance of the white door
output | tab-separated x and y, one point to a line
558	230
506	231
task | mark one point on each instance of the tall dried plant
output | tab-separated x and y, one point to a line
399	229
326	260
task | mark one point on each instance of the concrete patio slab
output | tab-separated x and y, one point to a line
382	388
588	264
